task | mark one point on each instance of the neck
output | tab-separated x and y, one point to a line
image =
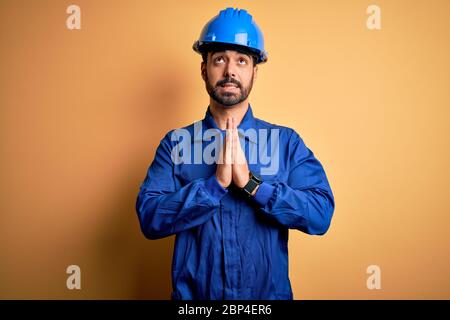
220	112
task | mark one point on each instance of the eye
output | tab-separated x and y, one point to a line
242	61
218	59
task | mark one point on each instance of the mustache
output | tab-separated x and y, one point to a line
228	80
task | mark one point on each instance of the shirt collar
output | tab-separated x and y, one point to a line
248	122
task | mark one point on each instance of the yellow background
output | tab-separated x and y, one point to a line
82	111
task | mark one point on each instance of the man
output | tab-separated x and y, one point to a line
231	216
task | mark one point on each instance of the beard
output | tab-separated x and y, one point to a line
228	99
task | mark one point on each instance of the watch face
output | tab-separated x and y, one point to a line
250	187
252	183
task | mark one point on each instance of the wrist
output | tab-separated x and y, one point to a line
222	184
241	184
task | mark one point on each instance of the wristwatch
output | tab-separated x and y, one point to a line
251	184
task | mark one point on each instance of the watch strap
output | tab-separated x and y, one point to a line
252	183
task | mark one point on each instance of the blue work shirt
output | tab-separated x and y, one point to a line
229	245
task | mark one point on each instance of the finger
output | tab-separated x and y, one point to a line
221	152
240	155
228	143
239	151
234	148
236	136
222	148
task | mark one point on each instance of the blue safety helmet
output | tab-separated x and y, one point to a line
233	29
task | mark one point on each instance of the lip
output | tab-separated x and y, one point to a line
228	85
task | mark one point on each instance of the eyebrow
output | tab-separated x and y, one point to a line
239	53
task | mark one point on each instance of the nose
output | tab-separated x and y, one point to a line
229	71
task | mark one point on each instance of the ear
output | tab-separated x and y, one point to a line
255	72
203	70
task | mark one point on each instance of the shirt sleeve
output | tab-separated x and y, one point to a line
306	201
164	210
